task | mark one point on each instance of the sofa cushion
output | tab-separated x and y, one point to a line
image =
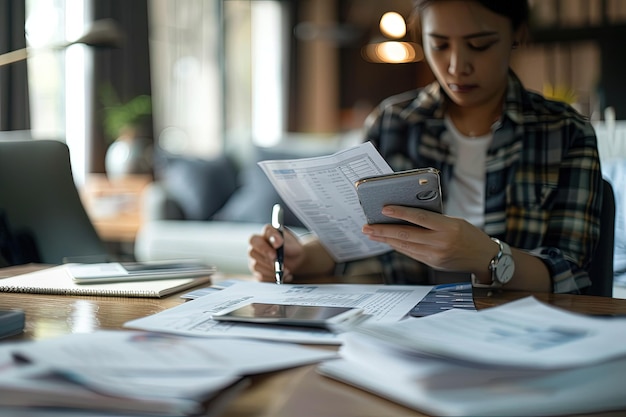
253	201
256	196
222	244
198	186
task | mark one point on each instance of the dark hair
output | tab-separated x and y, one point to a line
517	11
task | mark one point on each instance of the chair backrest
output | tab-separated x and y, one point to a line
601	269
38	197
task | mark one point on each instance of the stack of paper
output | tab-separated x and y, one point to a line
522	358
380	303
124	372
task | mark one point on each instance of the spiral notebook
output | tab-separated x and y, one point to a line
58	280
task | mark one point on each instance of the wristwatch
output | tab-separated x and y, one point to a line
502	267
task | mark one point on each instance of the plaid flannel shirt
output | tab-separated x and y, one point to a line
543	178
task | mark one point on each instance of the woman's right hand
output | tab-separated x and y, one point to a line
262	253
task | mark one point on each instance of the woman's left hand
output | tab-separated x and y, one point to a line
442	242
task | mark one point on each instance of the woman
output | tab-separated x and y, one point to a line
520	174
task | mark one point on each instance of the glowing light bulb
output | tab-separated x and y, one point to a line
392	25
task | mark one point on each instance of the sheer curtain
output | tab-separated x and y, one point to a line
185	39
220	74
65	83
59	78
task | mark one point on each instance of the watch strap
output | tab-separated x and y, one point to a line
476	284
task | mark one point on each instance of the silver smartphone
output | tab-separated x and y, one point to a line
102	273
414	188
290	314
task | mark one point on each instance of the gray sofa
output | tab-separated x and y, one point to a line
208	209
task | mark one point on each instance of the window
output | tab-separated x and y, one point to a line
58	76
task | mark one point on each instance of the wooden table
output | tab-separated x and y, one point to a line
114	206
295	392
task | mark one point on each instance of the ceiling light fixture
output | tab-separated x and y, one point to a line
392	49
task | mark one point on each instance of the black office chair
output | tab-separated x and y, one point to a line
41	205
601	269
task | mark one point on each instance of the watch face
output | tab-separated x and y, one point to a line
505	269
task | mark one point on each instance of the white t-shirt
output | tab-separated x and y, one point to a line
466	190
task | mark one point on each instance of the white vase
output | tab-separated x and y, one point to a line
128	155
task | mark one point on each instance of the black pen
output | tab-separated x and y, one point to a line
277	223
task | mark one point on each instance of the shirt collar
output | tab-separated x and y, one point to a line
514	99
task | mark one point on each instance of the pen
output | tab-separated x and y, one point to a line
452	287
277	223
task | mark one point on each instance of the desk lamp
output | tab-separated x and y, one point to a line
103	33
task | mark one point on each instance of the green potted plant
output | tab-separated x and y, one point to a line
125	126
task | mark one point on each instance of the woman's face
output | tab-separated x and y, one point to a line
468	48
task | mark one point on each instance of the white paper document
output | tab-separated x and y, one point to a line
126	371
128	352
382	303
520	359
523	333
321	192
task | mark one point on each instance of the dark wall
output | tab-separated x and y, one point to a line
612	84
14	104
362	84
126	69
610	40
366	82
